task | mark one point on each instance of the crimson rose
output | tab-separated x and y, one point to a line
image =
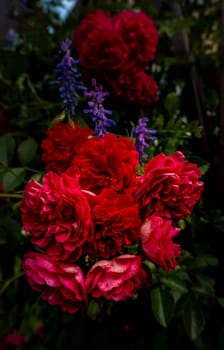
139	32
109	161
116	279
157	234
104	50
96	19
60	284
135	86
57	215
116	224
170	187
62	144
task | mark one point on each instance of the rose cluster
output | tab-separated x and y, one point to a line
117	50
92	210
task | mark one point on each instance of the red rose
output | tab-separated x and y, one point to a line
157	244
93	20
3	124
60	284
139	33
116	224
169	187
15	339
57	215
116	279
104	50
109	161
61	145
134	86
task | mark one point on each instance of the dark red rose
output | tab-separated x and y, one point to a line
109	161
3	124
96	19
57	215
116	279
116	224
104	50
134	86
60	284
62	144
170	187
139	33
157	242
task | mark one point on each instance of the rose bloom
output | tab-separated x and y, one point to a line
60	284
170	187
157	234
62	144
109	161
116	224
96	19
139	33
135	86
15	339
104	50
57	215
3	124
116	279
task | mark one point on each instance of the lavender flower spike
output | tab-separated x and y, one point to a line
142	136
68	79
96	98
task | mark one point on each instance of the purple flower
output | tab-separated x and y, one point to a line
11	36
99	113
142	137
68	79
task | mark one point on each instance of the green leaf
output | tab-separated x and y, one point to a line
93	309
7	147
162	305
221	302
26	150
193	318
13	178
174	283
9	281
171	103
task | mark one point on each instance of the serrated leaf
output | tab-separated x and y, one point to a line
26	150
13	178
162	304
193	318
174	283
7	147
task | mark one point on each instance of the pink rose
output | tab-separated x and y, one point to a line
116	279
170	187
57	215
15	339
157	234
60	284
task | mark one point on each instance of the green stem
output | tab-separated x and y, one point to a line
34	170
11	195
